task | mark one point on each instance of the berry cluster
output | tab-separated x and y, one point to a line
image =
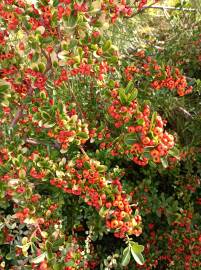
69	128
86	178
119	112
40	79
169	77
120	218
9	17
173	80
5	56
144	133
75	257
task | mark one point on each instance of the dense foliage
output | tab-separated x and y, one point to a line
100	148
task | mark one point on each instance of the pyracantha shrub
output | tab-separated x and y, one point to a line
72	124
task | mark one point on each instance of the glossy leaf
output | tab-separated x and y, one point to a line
126	256
40	258
130	138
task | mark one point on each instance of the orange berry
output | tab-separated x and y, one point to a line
121	205
158	130
115	203
127	208
122	214
157	159
121	223
118	197
114	223
43	265
128	224
146	140
154	153
108	205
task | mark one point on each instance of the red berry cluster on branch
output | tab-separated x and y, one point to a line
143	133
86	179
168	77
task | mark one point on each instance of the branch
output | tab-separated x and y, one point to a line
76	101
32	141
83	151
19	112
140	11
49	62
17	117
161	7
183	112
170	8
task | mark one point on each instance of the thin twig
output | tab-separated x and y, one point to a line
19	112
17	117
76	101
83	151
49	62
33	141
170	8
183	112
140	11
161	7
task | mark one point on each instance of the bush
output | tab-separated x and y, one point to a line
96	163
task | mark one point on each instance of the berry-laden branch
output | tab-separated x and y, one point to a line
32	141
19	113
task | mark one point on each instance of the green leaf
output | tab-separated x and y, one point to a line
126	256
113	59
137	256
140	122
58	243
50	255
55	3
10	256
102	168
130	138
87	165
49	125
45	115
153	120
122	96
46	40
5	103
58	266
107	45
82	135
27	25
129	87
70	263
136	247
164	162
103	211
3	88
174	152
70	21
73	44
35	57
41	67
40	258
133	95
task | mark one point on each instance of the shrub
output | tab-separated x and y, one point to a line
87	155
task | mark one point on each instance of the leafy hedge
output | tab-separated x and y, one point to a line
99	155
